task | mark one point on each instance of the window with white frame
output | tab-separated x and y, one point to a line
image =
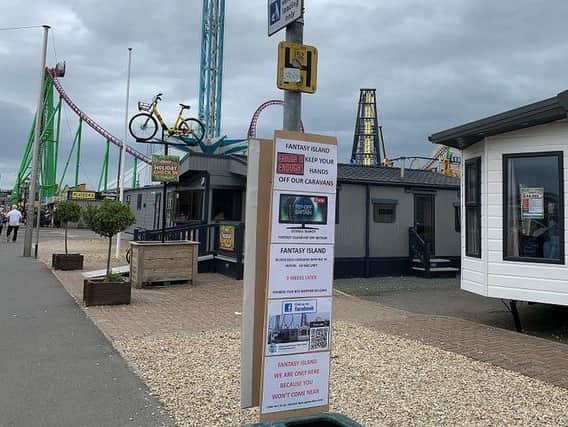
533	207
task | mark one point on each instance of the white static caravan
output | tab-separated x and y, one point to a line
513	209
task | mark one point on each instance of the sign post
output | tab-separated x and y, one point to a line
165	169
297	325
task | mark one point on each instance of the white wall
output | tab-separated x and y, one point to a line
492	276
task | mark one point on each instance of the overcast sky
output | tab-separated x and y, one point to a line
435	64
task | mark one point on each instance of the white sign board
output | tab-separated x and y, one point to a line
297	335
281	13
300	270
306	167
295	382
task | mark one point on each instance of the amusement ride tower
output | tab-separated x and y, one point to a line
368	137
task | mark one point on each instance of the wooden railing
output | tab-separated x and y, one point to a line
230	246
418	249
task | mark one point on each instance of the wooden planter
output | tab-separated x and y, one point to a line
156	262
67	261
102	292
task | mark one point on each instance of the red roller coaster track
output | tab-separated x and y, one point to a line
252	126
92	124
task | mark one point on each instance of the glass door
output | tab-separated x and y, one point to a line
424	218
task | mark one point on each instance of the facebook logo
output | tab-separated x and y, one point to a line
275	8
288	307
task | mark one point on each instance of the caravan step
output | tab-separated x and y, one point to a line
433	260
436	272
437	269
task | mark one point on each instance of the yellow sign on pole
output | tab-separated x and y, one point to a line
297	67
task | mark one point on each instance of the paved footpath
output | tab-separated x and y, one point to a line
56	367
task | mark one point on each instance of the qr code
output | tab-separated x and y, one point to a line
319	338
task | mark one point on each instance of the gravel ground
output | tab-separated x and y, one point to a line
377	380
375	286
94	251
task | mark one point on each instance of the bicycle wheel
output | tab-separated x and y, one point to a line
192	127
143	126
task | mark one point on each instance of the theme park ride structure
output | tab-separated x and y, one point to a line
254	120
368	136
50	142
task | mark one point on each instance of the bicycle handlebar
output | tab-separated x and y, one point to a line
158	97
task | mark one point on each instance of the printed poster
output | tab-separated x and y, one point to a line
305	166
532	203
300	270
227	238
165	168
295	381
298	326
303	218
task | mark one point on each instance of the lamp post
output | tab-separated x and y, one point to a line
35	152
123	156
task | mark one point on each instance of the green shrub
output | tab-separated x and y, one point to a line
108	219
67	212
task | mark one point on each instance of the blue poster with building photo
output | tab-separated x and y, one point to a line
298	326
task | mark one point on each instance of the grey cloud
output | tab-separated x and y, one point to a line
434	64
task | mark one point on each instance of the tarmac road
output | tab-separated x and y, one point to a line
56	367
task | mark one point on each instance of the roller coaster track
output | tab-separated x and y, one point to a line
92	124
253	122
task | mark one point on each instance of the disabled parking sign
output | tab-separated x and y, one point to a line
281	13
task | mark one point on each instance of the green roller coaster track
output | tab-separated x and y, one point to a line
49	152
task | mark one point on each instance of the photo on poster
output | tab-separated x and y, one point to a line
305	166
298	326
303	218
300	270
295	381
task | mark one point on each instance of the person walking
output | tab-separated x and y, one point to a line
14	219
3	219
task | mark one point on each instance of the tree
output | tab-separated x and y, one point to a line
108	219
67	212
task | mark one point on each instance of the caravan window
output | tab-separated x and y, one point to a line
384	211
533	211
473	207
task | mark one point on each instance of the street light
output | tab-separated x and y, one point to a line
35	152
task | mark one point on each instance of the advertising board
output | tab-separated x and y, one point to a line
297	323
165	168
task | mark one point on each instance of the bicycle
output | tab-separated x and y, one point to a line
143	126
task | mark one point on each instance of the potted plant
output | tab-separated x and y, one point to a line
66	212
107	219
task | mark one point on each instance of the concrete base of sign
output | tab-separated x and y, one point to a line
156	262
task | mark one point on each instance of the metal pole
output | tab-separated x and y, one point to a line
123	152
105	185
164	196
57	142
293	100
78	160
35	157
135	173
38	223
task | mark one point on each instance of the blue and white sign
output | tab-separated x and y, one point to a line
300	306
281	13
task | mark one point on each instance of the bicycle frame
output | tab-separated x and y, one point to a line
154	111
